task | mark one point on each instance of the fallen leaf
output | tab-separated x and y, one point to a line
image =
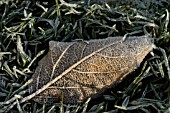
83	69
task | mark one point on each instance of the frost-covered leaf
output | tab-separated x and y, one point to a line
83	69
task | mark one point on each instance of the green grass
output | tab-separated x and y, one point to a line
27	26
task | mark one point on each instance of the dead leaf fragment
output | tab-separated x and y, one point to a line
83	69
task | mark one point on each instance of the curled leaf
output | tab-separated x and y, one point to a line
83	69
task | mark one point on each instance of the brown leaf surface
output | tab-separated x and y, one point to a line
86	68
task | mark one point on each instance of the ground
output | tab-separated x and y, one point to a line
27	26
